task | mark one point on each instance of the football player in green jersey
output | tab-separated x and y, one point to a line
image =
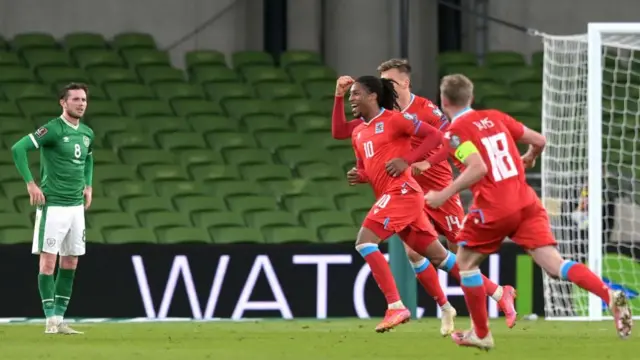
66	173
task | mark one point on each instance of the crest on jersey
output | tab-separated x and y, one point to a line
86	141
454	141
65	139
379	128
41	132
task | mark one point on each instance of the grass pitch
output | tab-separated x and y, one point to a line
312	339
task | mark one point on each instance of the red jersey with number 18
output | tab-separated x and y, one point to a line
385	137
493	135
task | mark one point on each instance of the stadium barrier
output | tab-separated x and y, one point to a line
237	281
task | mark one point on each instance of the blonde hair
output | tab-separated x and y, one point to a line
402	65
457	88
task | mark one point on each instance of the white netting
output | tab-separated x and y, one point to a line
565	163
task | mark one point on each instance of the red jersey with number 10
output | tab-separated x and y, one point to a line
385	137
439	175
504	188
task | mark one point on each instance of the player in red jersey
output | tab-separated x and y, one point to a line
484	143
380	139
446	219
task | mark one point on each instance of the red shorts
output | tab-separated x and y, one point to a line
527	227
399	212
447	219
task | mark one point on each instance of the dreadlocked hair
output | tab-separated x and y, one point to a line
387	95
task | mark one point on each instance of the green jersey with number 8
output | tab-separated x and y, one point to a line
64	148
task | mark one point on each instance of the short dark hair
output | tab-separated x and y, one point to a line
402	65
64	92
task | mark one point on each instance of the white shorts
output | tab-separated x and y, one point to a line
59	230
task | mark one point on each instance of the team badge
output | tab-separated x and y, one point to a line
41	132
379	128
86	141
454	141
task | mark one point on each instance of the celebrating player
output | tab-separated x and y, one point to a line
64	194
503	205
446	219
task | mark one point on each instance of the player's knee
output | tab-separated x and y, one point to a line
366	236
413	256
47	264
69	262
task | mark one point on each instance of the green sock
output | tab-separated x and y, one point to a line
64	285
45	285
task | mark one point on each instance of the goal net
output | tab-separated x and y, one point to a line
591	165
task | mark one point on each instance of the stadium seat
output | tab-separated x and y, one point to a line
288	234
283	189
217	219
455	58
60	74
140	108
94	236
175	189
304	73
211	172
355	203
106	221
181	141
133	40
156	125
256	75
130	236
37	58
206	124
318	220
15	74
249	156
172	91
91	58
104	204
33	40
194	107
266	172
237	235
157	74
221	91
263	218
162	172
9	109
128	91
226	141
20	91
192	204
138	157
299	57
339	234
127	189
276	90
251	203
163	219
503	58
130	140
140	58
15	221
79	41
231	188
294	157
195	58
9	236
320	171
207	75
239	108
241	59
277	141
320	89
192	157
6	205
9	59
307	203
181	235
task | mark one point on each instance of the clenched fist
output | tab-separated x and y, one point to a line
343	84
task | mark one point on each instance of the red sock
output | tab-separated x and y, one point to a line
580	275
489	286
382	274
429	280
476	299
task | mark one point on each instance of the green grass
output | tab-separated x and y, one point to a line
313	339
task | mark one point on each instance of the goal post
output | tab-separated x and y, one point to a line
591	166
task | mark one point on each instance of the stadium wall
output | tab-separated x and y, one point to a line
560	17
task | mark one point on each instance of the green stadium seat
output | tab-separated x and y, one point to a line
192	204
299	57
15	125
231	188
307	203
9	109
312	123
34	107
128	91
104	221
129	140
82	40
263	218
171	91
3	43
9	59
320	171
529	90
336	188
109	125
175	189
288	234
122	190
130	236
158	74
94	236
181	141
117	172
133	40
193	157
164	124
205	124
181	235
140	108
104	204
163	219
503	58
37	58
6	206
103	75
304	73
259	74
355	203
515	74
339	234
90	58
9	173
318	220
294	157
284	189
241	59
15	91
103	108
280	140
6	158
33	40
235	235
217	219
537	59
15	74
15	236
211	172
514	108
240	156
251	203
293	107
484	90
162	172
265	122
61	74
278	90
239	108
213	75
195	58
321	89
221	91
265	172
139	58
456	58
226	141
194	107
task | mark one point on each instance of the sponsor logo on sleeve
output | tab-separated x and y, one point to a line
41	132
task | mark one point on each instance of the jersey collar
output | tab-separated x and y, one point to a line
413	97
373	118
461	113
74	127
